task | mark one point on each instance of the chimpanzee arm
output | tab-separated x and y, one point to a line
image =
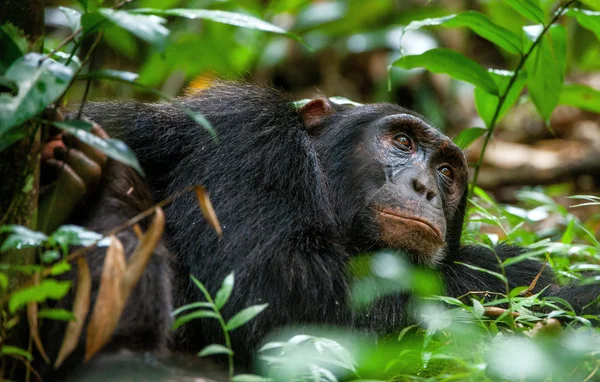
460	279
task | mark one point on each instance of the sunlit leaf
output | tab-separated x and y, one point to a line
580	96
588	19
528	8
40	81
149	28
224	292
48	288
73	17
245	315
21	237
487	103
224	17
214	349
478	23
193	305
546	68
113	148
468	136
72	235
454	64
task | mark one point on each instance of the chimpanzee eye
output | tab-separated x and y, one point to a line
403	142
446	171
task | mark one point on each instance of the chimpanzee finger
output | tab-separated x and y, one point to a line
94	154
50	148
59	199
87	169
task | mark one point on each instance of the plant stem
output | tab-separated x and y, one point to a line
502	98
223	325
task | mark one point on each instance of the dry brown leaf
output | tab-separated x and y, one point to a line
142	253
137	231
207	209
109	303
81	306
32	320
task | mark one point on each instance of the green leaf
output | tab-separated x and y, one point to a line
67	235
8	350
245	315
454	64
214	349
50	256
477	308
567	237
73	17
48	288
223	17
11	50
528	8
487	103
56	314
3	281
224	292
473	267
580	96
40	83
21	237
468	136
130	78
192	316
113	148
194	305
250	378
149	28
478	23
546	68
588	19
60	268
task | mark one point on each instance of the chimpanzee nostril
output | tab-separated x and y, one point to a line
422	189
418	185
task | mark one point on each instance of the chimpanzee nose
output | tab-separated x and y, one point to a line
424	187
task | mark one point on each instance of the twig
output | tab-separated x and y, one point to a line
502	98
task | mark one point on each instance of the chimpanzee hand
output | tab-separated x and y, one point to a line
70	171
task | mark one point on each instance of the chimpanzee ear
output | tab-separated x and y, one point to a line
313	113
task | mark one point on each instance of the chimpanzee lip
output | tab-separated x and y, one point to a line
426	223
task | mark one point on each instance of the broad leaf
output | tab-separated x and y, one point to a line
224	292
245	315
113	148
487	103
40	82
67	235
223	17
73	17
21	237
454	64
546	68
468	136
528	8
478	23
214	349
588	19
11	50
48	288
149	28
580	96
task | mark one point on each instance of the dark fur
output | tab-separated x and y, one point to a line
284	204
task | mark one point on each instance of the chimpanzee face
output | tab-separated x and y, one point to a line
394	181
425	179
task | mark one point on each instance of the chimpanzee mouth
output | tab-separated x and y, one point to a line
412	220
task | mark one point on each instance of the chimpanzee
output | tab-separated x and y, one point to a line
299	192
